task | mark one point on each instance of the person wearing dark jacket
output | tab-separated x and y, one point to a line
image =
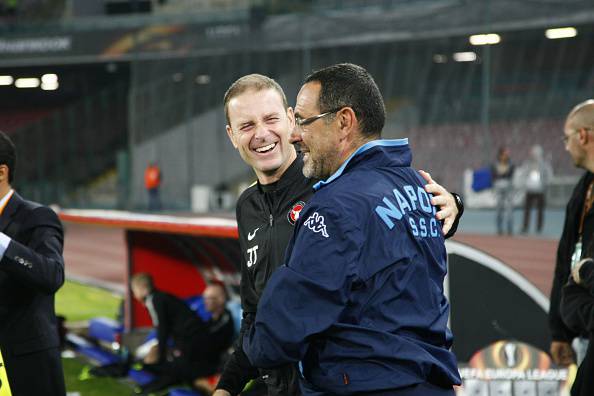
359	302
259	122
577	310
31	272
197	345
577	238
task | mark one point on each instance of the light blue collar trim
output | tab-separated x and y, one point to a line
365	147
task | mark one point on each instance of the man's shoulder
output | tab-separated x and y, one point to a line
362	190
32	205
165	295
356	186
337	201
33	210
163	298
586	178
248	194
582	185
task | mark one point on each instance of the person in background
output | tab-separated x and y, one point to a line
577	239
537	174
503	174
577	311
31	272
197	345
152	183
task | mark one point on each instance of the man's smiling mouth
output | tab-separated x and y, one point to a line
265	149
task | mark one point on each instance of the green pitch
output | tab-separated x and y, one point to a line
79	302
94	386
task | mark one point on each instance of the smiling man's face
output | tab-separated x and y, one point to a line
259	129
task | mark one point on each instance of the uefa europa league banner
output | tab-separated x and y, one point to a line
515	369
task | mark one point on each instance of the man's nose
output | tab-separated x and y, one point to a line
260	130
295	136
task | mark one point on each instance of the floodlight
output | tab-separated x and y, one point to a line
49	78
202	79
559	33
30	82
6	80
49	86
440	58
485	39
464	56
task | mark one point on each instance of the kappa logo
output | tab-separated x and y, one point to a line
315	222
293	214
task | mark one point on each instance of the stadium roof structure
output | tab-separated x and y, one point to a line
141	37
424	19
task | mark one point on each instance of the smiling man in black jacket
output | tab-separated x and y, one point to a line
259	122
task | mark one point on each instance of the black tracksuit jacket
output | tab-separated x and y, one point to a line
266	216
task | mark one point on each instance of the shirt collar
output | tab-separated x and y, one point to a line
5	199
362	149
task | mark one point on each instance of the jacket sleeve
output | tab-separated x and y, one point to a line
163	327
238	370
559	330
460	206
37	262
577	305
307	295
220	335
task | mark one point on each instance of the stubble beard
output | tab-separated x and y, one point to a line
316	168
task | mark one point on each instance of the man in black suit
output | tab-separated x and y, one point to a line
31	271
197	345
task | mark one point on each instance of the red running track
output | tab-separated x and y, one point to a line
534	258
98	253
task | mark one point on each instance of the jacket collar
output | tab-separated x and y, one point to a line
293	171
396	152
10	210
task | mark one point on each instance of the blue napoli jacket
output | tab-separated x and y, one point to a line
359	301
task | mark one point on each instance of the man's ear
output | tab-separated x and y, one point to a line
4	173
347	121
231	135
583	136
291	117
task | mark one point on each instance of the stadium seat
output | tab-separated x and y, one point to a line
93	352
196	304
105	329
184	392
234	306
